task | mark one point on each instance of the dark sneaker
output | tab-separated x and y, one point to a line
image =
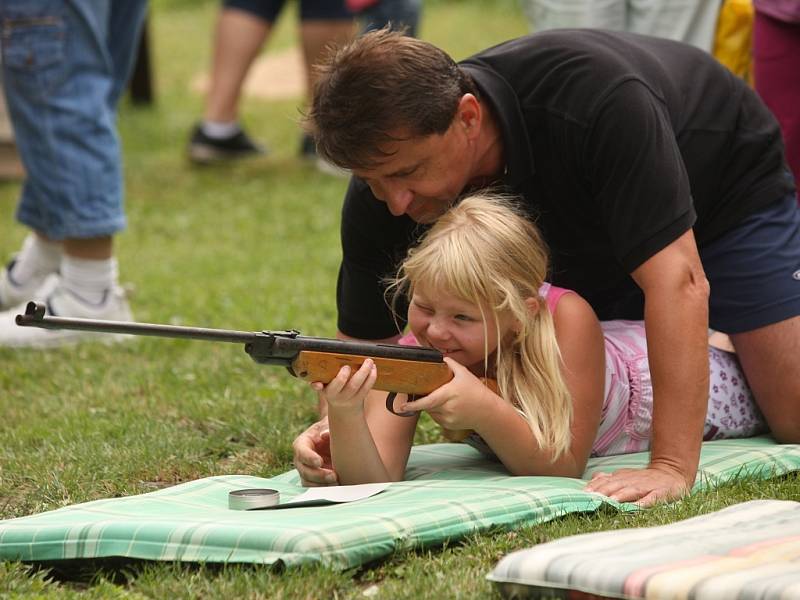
206	150
308	149
308	152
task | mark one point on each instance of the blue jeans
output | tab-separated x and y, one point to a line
65	65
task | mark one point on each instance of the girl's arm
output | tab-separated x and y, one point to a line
368	443
583	354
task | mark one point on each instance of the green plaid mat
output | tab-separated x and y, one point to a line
451	492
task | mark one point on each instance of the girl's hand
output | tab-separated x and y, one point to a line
459	403
346	391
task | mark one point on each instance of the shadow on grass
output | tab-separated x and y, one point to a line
121	571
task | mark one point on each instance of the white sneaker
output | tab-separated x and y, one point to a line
13	293
63	303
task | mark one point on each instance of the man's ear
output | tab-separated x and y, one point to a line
469	114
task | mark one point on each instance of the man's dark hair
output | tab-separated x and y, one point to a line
378	86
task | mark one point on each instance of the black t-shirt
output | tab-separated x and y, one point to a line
618	143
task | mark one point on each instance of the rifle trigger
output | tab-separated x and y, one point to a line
390	405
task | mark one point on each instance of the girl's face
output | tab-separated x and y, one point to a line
454	327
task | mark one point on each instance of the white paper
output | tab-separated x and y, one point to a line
334	494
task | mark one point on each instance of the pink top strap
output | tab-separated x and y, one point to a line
552	295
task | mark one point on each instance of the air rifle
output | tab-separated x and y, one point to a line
401	369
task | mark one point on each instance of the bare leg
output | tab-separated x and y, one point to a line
770	357
317	36
238	39
92	249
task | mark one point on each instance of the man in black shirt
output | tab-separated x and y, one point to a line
649	168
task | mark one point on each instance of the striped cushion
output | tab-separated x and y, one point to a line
450	492
749	550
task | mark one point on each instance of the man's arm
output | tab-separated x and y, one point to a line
676	321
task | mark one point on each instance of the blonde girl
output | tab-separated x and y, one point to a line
566	387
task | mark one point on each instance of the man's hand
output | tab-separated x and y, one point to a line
312	456
645	487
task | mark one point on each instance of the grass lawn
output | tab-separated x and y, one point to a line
252	246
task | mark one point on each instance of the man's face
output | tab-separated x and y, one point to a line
422	176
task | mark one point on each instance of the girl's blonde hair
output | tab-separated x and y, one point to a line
485	252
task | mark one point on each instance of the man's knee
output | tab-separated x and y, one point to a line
770	359
781	409
785	432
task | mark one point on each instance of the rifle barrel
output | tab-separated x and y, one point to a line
35	317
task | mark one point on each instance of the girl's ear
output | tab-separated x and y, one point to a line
534	304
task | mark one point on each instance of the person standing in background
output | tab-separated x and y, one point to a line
65	66
691	21
776	65
243	26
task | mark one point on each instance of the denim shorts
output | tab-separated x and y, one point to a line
310	10
754	270
65	65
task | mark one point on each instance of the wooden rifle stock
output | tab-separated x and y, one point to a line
394	374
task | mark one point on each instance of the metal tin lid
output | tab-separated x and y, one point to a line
253	498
